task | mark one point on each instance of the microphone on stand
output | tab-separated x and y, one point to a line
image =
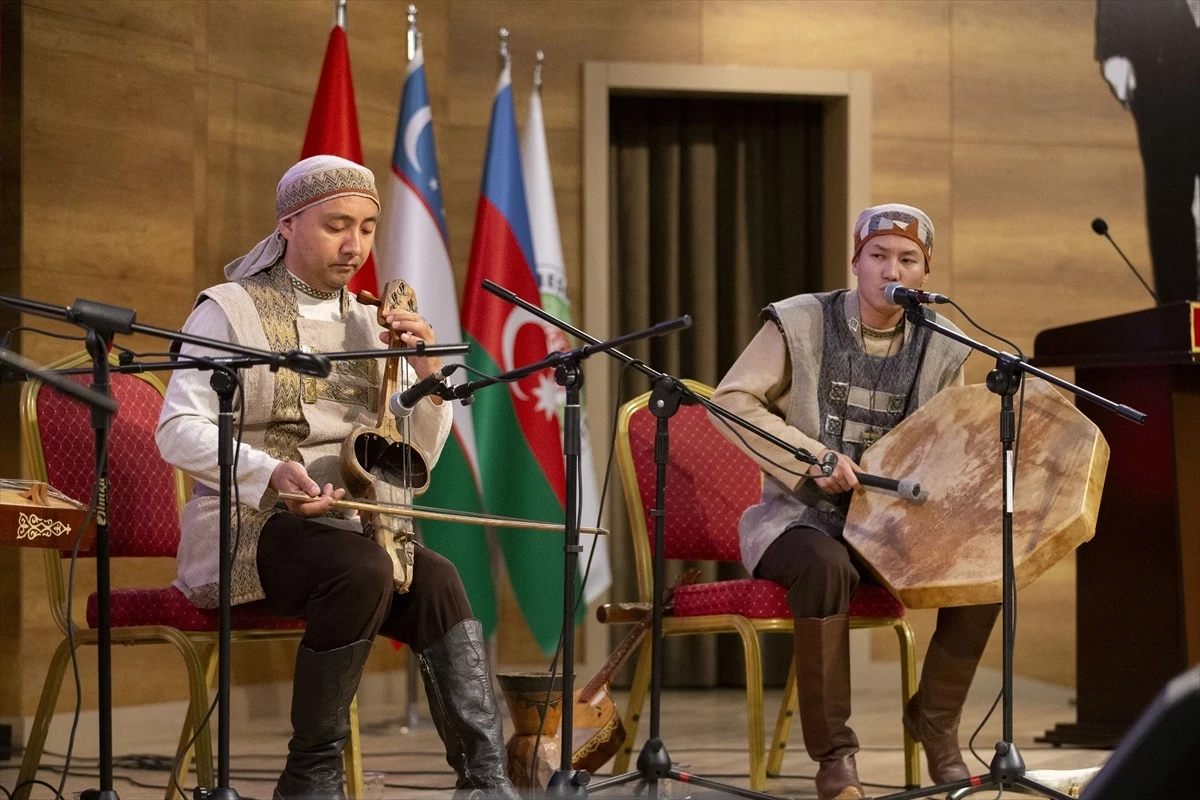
403	403
904	488
1101	229
899	295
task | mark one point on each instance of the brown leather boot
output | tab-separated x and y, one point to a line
823	684
931	716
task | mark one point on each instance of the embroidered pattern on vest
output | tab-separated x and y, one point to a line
856	415
271	292
315	389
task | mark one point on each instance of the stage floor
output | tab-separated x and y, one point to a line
705	732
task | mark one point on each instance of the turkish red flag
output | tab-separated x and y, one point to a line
333	126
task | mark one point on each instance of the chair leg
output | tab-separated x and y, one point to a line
352	757
908	687
41	721
633	711
201	668
754	703
788	705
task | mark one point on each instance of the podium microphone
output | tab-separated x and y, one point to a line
1101	229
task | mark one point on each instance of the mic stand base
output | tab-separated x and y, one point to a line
654	765
1007	771
98	794
654	762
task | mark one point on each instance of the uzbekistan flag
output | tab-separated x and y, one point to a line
412	246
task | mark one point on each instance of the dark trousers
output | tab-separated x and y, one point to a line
819	572
340	582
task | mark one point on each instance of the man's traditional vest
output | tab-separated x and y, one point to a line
844	397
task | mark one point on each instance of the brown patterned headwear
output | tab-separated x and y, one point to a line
898	220
312	181
319	178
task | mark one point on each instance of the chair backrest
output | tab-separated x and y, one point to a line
145	493
709	484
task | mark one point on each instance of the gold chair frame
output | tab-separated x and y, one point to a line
198	648
747	630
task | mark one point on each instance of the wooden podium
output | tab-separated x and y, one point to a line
1138	580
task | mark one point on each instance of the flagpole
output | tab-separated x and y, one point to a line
412	718
537	71
414	38
339	13
504	57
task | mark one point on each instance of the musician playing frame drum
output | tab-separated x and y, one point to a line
831	373
288	293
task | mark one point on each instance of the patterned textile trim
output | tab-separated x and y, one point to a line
271	292
314	389
246	587
317	294
309	190
876	333
366	369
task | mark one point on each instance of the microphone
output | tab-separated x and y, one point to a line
403	403
828	464
1101	229
905	488
899	295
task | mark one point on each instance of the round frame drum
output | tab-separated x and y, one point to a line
945	548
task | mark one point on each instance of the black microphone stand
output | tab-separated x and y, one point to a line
566	782
1007	769
224	384
102	321
654	762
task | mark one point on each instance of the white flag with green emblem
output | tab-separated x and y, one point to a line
552	282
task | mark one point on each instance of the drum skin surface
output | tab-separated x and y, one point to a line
945	550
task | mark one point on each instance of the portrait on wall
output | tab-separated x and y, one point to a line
1149	53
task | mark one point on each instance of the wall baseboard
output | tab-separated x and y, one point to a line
258	708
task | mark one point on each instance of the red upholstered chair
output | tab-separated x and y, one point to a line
145	498
709	484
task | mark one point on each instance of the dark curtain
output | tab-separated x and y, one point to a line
716	211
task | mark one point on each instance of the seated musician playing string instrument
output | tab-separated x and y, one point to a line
831	373
289	292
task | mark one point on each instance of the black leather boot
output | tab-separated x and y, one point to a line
459	688
322	691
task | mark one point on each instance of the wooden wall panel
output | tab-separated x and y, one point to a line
904	44
1024	72
155	133
164	19
107	167
570	34
1026	258
917	172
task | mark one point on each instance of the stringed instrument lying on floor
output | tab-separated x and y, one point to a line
597	730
